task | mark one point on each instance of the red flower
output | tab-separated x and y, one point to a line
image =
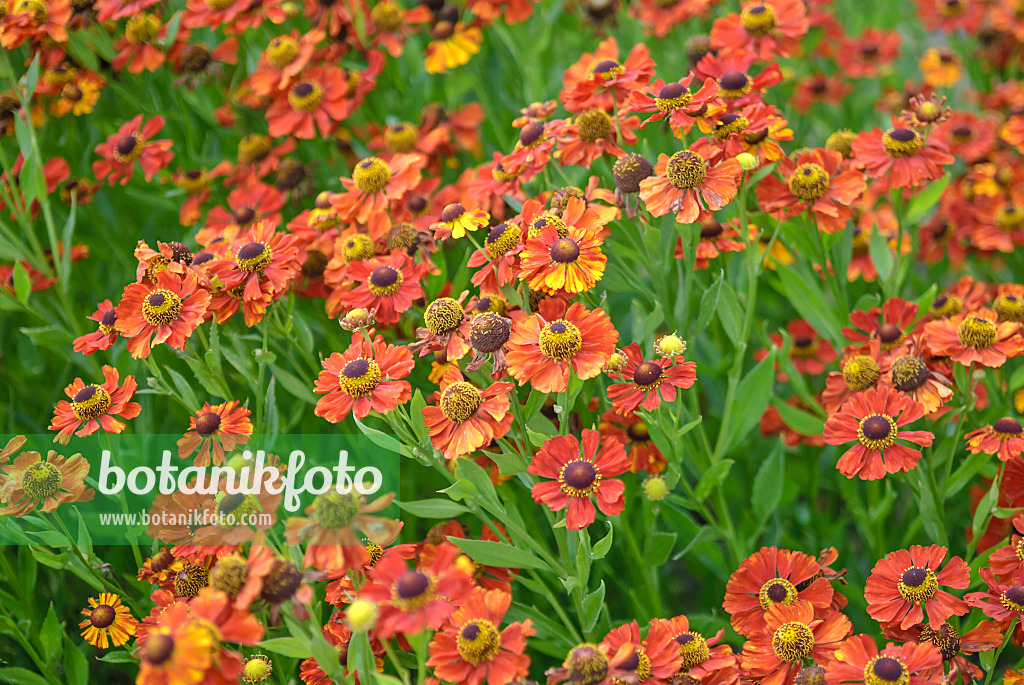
766	28
674	101
792	633
1007	562
1003	602
388	286
316	102
577	477
890	324
1002	438
105	335
649	382
471	650
862	56
905	580
873	419
95	406
813	183
978	337
771	577
858	661
215	430
900	155
132	144
467	418
688	185
166	309
366	377
633	432
658	657
375	183
703	659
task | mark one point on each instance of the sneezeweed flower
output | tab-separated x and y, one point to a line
809	352
132	143
689	186
647	383
467	418
376	182
488	334
334	525
863	56
215	430
793	632
858	661
1007	562
497	259
715	239
93	407
702	659
447	328
655	659
766	28
104	336
900	155
771	577
635	435
456	221
954	647
472	649
976	337
814	183
367	377
873	418
411	600
1002	438
108	622
593	133
30	481
1002	601
387	286
909	373
592	664
737	87
578	474
35	21
675	102
544	348
256	669
454	44
905	585
570	263
315	103
940	67
889	324
860	370
165	310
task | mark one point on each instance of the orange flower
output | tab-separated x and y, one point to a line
132	144
467	418
977	337
316	102
900	155
376	182
814	183
387	286
95	406
453	46
570	264
766	28
940	67
109	622
544	347
35	20
30	480
167	309
367	377
792	633
907	580
703	659
861	57
332	531
593	133
1002	438
214	431
649	382
674	101
858	661
632	431
658	656
686	184
104	336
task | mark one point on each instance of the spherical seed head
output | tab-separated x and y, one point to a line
860	373
908	373
387	16
730	124
403	236
459	401
565	251
686	170
190	580
360	377
877	427
385	280
208	423
452	212
141	28
758	20
305	96
842	142
257	669
647	374
531	133
793	642
412	584
371	175
696	47
776	591
670	345
809	182
1007	426
478	641
496	305
444	315
946	638
1013	599
282	51
629	170
102	616
282	582
91	402
672	96
748	162
290	173
501	239
357	247
229	575
616	362
586	664
545	220
315	264
488	332
594	125
560	198
560	340
361	616
194	59
812	675
357	318
655	489
902	142
693	648
41	480
157	649
884	670
1009	308
976	332
335	510
401	137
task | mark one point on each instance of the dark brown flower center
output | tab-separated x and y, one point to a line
411	584
157	649
1008	425
564	250
208	423
102	616
647	373
876	428
579	475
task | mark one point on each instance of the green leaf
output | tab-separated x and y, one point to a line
22	283
118	657
799	420
659	546
925	200
286	646
805	294
21	676
712	478
32	78
985	507
592	605
461	489
76	667
50	635
294	385
498	554
481	480
433	508
381	440
768	483
756	177
881	254
709	304
327	656
184	388
751	399
600	550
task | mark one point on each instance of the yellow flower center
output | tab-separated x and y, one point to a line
282	51
41	480
842	142
693	648
359	377
444	315
460	401
257	669
161	308
793	642
976	332
902	142
401	137
860	373
141	28
686	170
305	96
386	15
371	175
36	7
908	373
560	340
90	402
254	148
729	124
594	125
809	182
334	510
672	96
758	20
501	239
478	641
1009	308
